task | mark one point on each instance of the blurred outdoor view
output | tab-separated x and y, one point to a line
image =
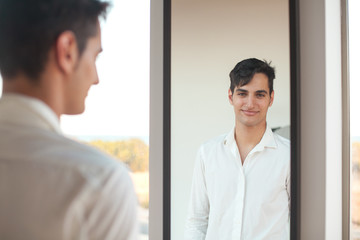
354	56
355	190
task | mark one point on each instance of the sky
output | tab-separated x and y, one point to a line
354	58
119	104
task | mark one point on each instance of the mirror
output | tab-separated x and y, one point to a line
208	37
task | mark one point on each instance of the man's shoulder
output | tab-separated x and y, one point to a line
57	152
215	140
281	141
282	150
213	143
85	161
78	154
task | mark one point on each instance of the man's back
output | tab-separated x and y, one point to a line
55	188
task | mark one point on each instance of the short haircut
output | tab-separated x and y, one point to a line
29	28
244	71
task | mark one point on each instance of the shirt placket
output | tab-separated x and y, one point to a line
240	198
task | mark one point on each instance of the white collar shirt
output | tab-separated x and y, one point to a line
235	201
52	187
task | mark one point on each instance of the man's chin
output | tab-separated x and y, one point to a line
75	111
251	124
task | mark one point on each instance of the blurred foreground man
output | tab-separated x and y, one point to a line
241	182
50	186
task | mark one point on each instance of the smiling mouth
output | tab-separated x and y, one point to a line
249	113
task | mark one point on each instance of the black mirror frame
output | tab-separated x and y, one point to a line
295	120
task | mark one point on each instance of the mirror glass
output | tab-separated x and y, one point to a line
208	38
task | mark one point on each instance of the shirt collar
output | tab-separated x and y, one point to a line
267	141
25	110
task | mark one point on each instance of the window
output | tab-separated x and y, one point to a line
116	118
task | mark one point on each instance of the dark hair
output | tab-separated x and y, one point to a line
28	29
244	71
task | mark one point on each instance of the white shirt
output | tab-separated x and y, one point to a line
249	201
54	188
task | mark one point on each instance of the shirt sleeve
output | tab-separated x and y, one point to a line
114	214
288	189
198	212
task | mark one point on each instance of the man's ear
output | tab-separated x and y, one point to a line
66	51
230	96
271	98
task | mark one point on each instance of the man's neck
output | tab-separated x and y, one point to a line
247	138
48	93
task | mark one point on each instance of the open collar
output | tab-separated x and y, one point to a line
28	111
267	140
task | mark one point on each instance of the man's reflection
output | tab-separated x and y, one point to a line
241	182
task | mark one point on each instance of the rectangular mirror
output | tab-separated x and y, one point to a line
205	40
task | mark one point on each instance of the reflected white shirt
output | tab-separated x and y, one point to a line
54	188
249	201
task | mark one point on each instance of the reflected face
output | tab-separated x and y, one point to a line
251	101
85	75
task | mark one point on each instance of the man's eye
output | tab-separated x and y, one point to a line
261	95
242	94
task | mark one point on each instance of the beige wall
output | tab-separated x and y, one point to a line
208	38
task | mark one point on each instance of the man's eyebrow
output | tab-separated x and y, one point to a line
262	91
245	91
241	90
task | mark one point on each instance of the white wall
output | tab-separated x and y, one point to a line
208	39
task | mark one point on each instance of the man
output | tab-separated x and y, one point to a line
241	182
50	186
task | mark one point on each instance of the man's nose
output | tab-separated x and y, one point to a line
250	102
96	80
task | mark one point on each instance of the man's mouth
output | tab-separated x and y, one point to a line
249	113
